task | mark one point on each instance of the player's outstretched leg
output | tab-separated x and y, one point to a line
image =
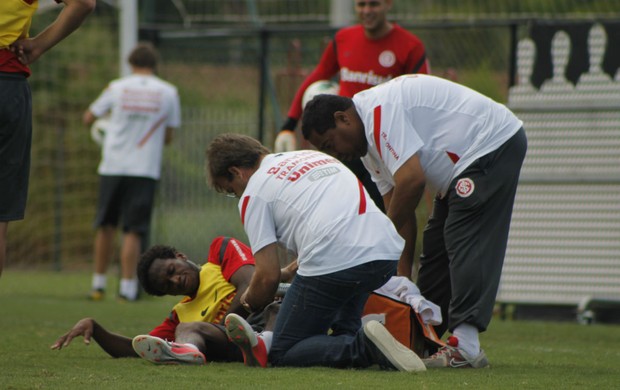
160	351
243	336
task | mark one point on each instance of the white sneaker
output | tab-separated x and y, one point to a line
160	351
399	356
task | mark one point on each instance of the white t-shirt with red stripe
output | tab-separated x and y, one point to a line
446	124
141	107
313	205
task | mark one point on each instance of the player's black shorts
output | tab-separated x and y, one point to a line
128	199
15	142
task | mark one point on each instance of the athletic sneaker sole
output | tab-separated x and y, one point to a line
400	356
158	351
242	335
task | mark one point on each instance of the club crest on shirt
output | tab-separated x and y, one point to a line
387	58
464	187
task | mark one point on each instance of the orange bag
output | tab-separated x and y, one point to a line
403	323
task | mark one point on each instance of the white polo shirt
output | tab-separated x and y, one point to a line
141	107
446	124
314	206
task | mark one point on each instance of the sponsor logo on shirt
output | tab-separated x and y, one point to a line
308	166
389	146
369	78
294	167
323	172
244	258
387	58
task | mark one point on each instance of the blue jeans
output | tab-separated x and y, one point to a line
313	305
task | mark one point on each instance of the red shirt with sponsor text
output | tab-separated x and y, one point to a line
363	63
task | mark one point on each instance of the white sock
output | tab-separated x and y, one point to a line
129	288
99	281
468	339
267	337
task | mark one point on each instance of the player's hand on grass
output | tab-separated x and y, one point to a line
285	141
83	327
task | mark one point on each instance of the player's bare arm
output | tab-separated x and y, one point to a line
265	281
400	204
70	18
409	232
409	182
115	345
169	135
288	273
88	118
241	280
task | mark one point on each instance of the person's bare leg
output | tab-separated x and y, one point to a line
4	227
103	251
208	338
104	248
130	254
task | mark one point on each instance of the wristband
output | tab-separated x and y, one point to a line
289	124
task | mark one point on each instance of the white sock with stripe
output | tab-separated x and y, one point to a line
468	339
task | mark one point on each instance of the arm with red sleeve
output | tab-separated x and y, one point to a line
237	264
326	68
166	330
416	59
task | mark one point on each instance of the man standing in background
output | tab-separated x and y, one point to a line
364	55
143	111
17	51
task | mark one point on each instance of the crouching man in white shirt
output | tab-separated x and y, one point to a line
346	247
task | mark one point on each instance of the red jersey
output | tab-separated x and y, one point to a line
215	293
363	62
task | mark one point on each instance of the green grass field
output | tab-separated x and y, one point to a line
37	307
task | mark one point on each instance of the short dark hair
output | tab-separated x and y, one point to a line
319	112
144	55
157	252
231	150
